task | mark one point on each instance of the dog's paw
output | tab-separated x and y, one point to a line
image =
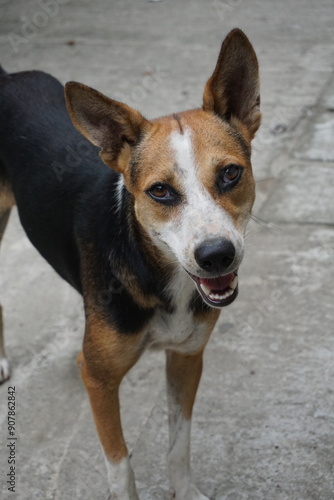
4	370
191	493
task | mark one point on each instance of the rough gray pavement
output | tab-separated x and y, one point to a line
264	418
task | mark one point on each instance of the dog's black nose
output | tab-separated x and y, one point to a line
215	256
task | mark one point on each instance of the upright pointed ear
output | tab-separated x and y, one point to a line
233	89
108	124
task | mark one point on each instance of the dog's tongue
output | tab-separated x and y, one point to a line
219	283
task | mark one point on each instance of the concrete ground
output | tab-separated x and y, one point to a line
264	419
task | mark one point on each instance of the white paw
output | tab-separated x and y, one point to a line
121	480
4	370
190	493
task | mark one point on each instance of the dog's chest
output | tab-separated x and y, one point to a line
178	330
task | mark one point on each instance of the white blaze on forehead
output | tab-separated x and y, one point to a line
194	190
183	152
202	217
188	170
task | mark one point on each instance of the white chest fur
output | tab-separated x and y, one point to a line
179	330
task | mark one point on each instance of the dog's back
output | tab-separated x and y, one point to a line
45	166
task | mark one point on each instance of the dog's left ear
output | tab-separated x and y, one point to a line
232	92
111	125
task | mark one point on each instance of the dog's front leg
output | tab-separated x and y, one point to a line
183	376
106	358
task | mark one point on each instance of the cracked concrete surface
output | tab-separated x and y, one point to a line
263	422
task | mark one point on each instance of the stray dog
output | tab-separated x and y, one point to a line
159	222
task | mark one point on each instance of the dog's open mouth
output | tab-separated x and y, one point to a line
218	292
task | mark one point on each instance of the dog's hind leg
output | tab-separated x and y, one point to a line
7	201
4	364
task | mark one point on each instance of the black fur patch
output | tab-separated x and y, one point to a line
66	194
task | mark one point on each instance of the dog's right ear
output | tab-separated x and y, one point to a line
108	124
232	92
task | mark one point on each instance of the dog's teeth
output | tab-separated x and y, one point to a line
216	296
234	283
205	289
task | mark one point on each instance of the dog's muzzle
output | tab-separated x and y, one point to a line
216	257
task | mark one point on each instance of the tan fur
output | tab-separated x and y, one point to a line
183	376
92	291
107	357
7	199
208	316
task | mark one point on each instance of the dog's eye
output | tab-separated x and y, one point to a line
229	177
231	173
164	194
160	191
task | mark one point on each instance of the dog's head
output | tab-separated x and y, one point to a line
189	173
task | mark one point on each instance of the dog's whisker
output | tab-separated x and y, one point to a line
264	180
265	224
248	233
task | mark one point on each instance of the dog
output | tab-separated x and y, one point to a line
154	213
